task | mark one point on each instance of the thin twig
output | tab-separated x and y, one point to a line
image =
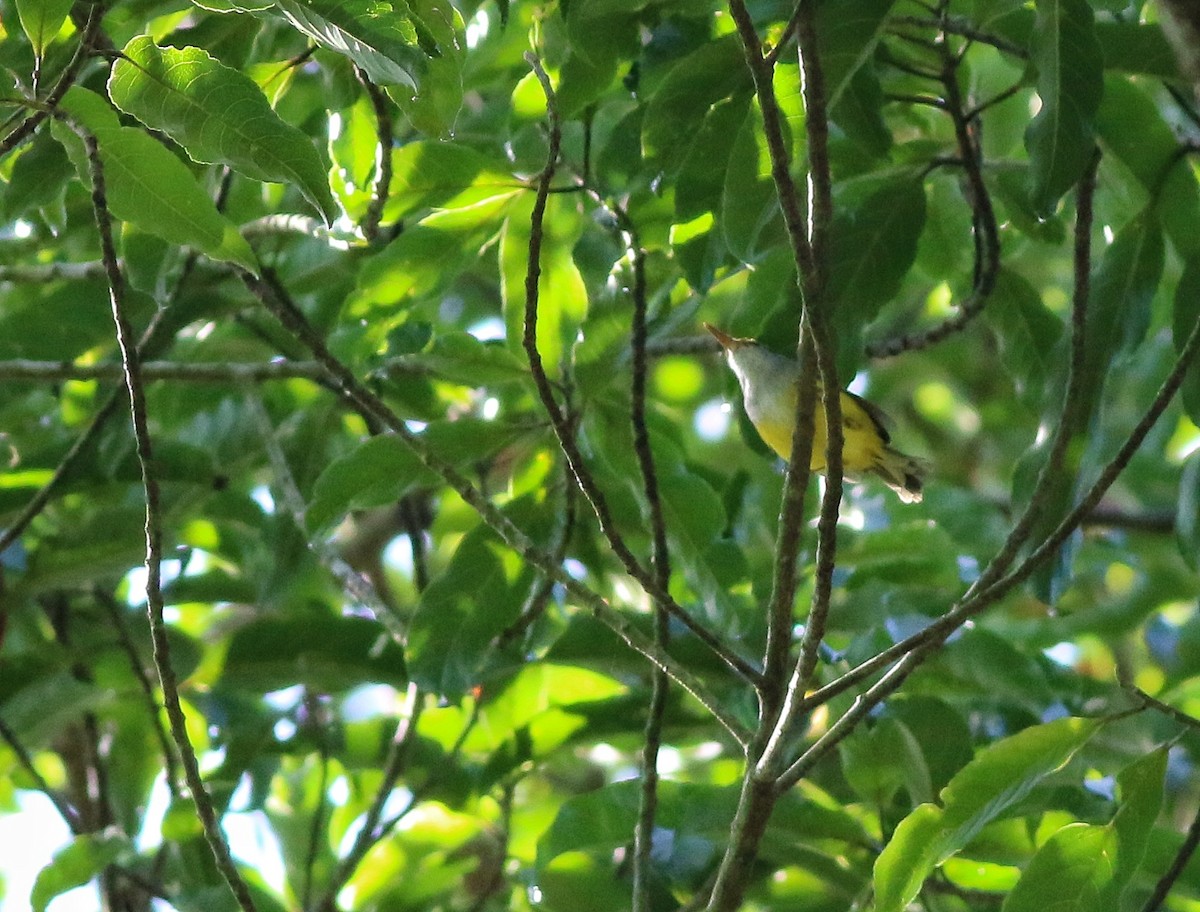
383	156
987	232
40	273
964	29
371	832
153	707
660	560
69	814
154	597
1163	888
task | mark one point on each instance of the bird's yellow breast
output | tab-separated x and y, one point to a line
864	439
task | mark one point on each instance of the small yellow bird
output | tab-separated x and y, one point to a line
769	388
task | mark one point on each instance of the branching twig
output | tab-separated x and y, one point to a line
154	597
808	239
987	238
371	832
87	40
373	407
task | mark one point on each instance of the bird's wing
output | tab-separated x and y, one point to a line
876	414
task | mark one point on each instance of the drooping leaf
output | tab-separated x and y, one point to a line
433	106
381	36
42	20
1027	332
847	32
678	106
1135	132
872	246
325	652
1070	84
1118	316
217	115
447	175
1185	318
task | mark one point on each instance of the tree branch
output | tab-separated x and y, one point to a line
154	598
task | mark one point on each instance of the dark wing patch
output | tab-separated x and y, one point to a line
875	413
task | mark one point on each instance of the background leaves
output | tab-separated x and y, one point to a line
402	703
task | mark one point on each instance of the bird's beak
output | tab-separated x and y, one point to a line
728	342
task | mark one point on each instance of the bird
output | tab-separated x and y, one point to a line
769	384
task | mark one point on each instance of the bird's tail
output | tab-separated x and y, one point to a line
903	474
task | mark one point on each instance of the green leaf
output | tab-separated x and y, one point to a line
443	174
1000	776
1187	512
434	105
462	358
750	216
42	20
1123	287
380	36
77	864
677	108
602	820
379	471
872	246
1141	788
879	760
1136	47
535	690
217	115
1069	873
1134	132
701	176
1027	333
478	596
692	510
848	31
1184	318
1070	84
321	651
147	185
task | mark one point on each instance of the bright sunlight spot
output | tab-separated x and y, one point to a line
712	420
477	28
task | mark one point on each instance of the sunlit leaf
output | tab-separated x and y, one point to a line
217	115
